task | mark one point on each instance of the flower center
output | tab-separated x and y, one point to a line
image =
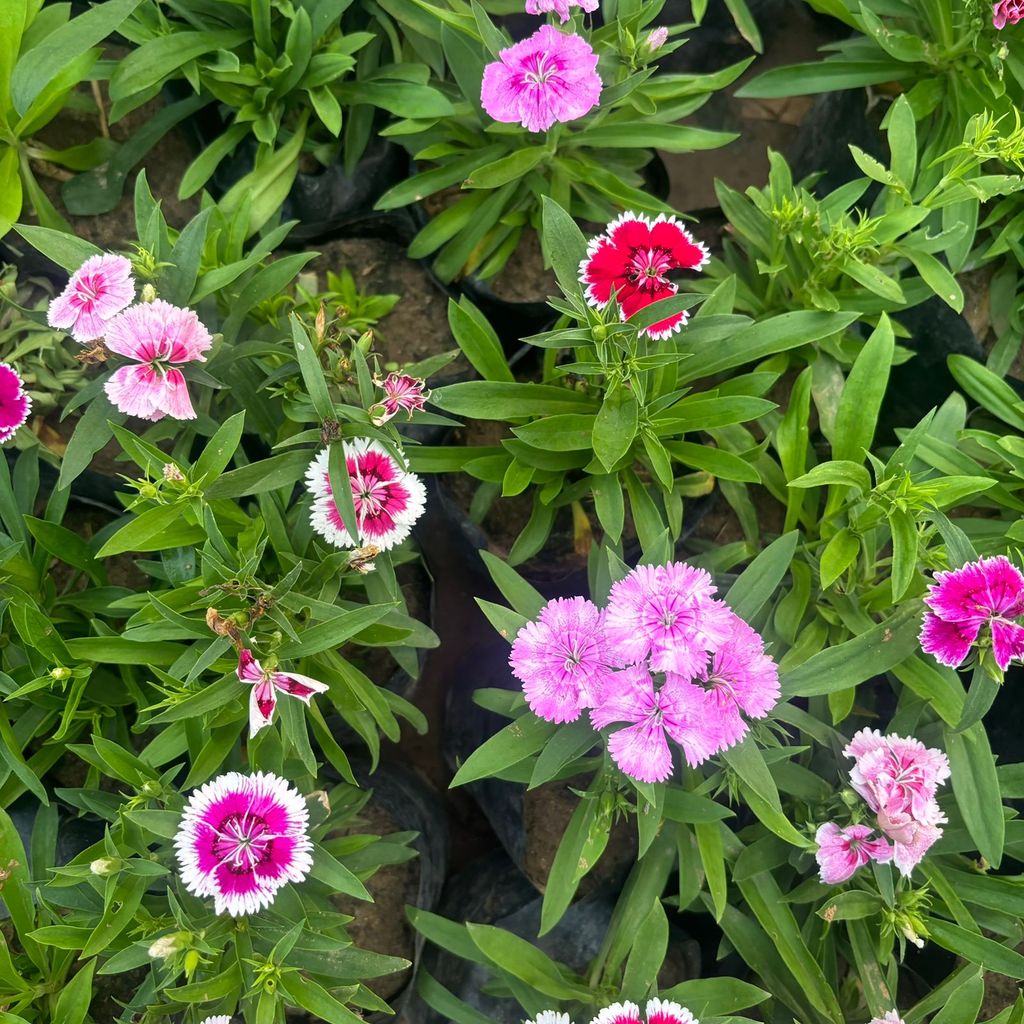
243	841
541	72
647	268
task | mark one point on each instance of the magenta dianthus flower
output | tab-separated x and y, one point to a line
1007	11
842	851
546	78
657	1011
898	778
986	594
97	291
402	393
388	498
159	337
241	838
560	7
561	659
667	612
267	685
15	404
678	710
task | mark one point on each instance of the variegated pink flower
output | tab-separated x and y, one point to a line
987	594
15	403
1007	11
241	838
657	1011
159	337
842	851
98	290
402	393
267	685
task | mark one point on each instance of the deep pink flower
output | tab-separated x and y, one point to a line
657	1011
159	337
987	593
15	404
631	261
562	659
401	393
388	498
550	1017
669	613
841	851
241	838
1007	11
98	290
679	709
547	77
899	777
741	679
267	685
561	7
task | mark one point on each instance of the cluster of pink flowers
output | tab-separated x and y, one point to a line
657	1011
241	838
1007	11
713	672
15	404
631	261
388	498
158	337
898	778
984	595
546	78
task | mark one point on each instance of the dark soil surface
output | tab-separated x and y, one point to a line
524	278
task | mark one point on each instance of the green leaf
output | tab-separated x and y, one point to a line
850	906
334	632
827	75
517	741
986	388
862	395
329	870
987	953
715	997
76	995
499	400
267	475
615	425
759	582
839	554
478	341
145	532
709	843
976	787
65	250
564	245
220	448
508	168
312	371
522	596
524	961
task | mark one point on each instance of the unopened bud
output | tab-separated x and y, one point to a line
104	866
320	324
365	341
192	961
168	945
849	797
60	673
599	332
148	293
656	39
172	473
150	788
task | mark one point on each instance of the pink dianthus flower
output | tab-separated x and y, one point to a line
841	851
15	404
678	710
892	1017
986	594
402	393
562	659
97	291
560	7
1007	11
667	612
899	777
267	685
546	78
657	1011
159	337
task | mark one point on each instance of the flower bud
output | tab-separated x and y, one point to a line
168	945
60	673
600	332
192	961
105	866
150	788
172	473
147	490
850	797
656	39
148	292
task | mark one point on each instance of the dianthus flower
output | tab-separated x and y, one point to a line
388	498
15	404
550	1017
899	777
241	838
842	851
267	685
1007	11
561	7
740	678
985	594
667	612
677	709
221	1018
892	1017
159	337
657	1011
98	290
546	78
561	659
631	261
402	393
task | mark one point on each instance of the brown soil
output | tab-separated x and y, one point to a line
418	325
524	278
382	926
1000	992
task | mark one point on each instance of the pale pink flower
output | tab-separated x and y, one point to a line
841	851
401	393
631	262
678	709
562	659
669	613
546	78
241	838
1007	11
986	594
892	1017
267	685
899	777
740	678
561	7
15	404
159	337
388	498
97	291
